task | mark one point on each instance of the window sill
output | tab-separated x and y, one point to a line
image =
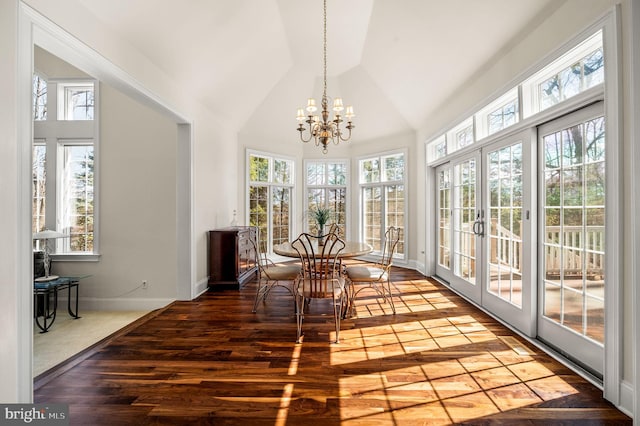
80	257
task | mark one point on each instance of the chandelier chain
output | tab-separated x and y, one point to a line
324	48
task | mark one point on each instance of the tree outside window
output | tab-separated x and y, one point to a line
382	194
326	187
270	198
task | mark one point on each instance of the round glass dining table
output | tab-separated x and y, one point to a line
351	249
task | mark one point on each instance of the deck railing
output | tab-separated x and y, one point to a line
580	255
583	250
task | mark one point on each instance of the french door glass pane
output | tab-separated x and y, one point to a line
464	209
505	223
574	234
444	223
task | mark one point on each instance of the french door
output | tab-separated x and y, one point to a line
463	211
484	219
541	273
509	196
572	235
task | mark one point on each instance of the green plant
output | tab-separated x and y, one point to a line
321	215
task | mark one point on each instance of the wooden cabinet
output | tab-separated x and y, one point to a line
232	259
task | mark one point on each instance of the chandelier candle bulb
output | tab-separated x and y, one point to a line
311	105
349	113
337	105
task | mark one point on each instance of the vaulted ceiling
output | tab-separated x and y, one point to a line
254	62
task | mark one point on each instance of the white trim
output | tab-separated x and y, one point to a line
24	274
186	268
634	232
613	320
626	398
120	304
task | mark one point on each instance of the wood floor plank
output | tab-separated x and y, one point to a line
438	360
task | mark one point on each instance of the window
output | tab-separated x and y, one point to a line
76	100
39	98
326	186
76	196
498	115
63	170
437	148
464	136
270	197
39	188
382	196
574	72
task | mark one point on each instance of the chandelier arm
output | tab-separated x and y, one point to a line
349	127
302	129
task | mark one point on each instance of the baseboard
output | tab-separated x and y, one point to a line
201	287
626	398
417	266
137	304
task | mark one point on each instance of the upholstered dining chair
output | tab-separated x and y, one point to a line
272	275
320	278
376	276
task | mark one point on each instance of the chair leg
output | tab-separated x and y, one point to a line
393	307
337	313
258	297
299	316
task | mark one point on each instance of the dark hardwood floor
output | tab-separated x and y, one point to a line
212	361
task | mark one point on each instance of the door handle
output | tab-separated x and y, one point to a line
478	226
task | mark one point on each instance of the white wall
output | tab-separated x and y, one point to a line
137	190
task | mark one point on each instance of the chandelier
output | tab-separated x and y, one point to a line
322	129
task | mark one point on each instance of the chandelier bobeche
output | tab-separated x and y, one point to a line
322	129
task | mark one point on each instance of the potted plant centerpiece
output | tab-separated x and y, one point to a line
321	216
